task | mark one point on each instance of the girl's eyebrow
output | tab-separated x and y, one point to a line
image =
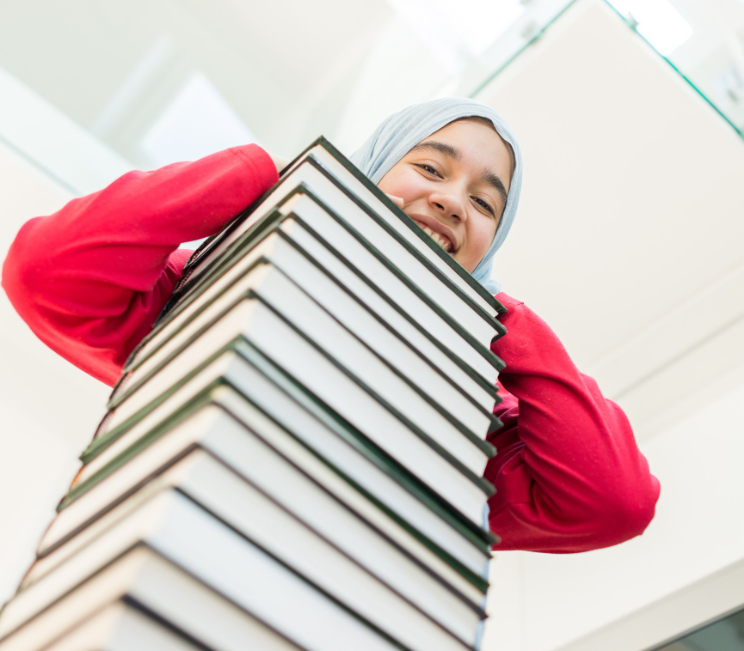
496	182
452	152
442	147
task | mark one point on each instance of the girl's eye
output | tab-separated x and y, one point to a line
484	204
427	168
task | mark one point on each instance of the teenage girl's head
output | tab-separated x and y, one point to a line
456	167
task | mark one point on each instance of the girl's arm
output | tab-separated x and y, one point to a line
92	278
568	473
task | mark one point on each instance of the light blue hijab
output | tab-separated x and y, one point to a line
397	135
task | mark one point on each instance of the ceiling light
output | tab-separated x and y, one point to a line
657	21
465	26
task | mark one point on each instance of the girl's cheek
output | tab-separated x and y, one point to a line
395	183
404	183
413	185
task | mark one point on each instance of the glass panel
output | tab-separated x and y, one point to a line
724	635
704	41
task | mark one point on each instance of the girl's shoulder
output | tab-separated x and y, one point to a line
508	302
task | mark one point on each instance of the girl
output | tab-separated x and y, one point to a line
91	279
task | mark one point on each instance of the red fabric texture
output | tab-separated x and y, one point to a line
91	279
568	472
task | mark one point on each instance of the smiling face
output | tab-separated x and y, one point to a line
454	185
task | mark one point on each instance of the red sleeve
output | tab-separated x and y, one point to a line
568	473
91	279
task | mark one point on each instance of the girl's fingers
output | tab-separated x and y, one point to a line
398	201
279	162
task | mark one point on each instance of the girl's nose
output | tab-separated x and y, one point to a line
448	203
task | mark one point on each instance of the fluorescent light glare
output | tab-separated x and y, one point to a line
478	23
466	25
658	22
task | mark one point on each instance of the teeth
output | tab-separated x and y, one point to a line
443	242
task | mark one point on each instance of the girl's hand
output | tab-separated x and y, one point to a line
398	201
279	162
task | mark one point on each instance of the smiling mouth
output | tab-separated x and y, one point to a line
439	239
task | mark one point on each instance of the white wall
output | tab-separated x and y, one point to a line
66	154
48	408
632	195
628	235
698	530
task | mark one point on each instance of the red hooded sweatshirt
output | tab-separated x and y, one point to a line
91	279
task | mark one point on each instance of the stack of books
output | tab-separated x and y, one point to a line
293	457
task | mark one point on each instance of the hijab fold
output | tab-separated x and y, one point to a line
400	132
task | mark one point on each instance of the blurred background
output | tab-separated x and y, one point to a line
628	239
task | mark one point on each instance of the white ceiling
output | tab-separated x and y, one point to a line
113	67
290	70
